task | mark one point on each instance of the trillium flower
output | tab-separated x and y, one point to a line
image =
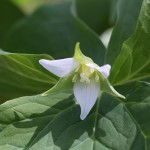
88	78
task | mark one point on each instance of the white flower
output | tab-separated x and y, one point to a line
88	78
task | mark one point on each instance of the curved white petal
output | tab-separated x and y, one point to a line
60	67
92	65
86	95
104	70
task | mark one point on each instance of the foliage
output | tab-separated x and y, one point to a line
31	120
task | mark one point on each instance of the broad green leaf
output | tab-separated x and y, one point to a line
133	63
147	79
138	104
127	16
52	29
95	13
52	122
21	75
9	14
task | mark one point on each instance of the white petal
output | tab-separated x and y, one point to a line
92	65
104	70
86	95
60	67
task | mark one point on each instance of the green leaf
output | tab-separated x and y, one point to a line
92	12
127	16
133	63
9	14
52	29
138	104
21	75
52	122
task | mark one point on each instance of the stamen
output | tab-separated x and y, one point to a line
74	78
77	69
84	73
84	78
92	70
96	77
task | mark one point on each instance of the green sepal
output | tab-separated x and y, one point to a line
63	82
79	55
107	87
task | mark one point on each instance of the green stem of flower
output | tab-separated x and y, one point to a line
96	115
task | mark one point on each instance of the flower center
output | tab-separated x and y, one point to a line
84	73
